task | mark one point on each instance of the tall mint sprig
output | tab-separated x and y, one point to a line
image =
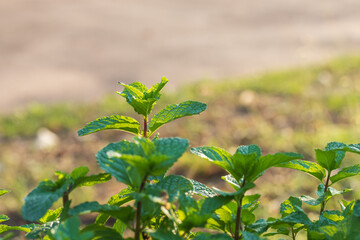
133	163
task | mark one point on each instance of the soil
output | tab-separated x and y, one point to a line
78	50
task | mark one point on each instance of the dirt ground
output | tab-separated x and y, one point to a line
78	50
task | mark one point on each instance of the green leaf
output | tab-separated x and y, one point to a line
161	234
175	185
202	189
141	98
232	181
102	232
216	155
290	205
249	236
208	236
124	214
79	172
51	215
39	200
297	217
311	168
345	173
70	230
126	124
5	228
2	192
271	160
4	218
119	199
238	193
175	111
131	162
91	180
109	160
327	159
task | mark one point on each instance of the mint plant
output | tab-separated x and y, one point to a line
157	206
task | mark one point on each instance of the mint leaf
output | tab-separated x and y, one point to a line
141	98
2	192
311	168
4	218
126	124
124	214
202	189
70	230
346	173
39	200
175	111
327	159
92	180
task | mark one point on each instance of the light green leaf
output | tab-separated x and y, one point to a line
216	155
290	205
124	214
311	168
141	98
327	159
297	217
175	111
39	200
5	228
345	173
2	192
4	218
51	215
91	180
126	124
202	189
79	172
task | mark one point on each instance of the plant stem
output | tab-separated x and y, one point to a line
138	231
292	233
325	190
65	197
145	127
238	215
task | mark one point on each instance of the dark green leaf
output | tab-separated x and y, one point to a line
70	230
161	234
102	232
119	199
122	213
126	124
109	159
42	198
174	185
345	173
311	168
208	236
175	111
249	236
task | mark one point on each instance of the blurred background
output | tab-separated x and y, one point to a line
281	74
